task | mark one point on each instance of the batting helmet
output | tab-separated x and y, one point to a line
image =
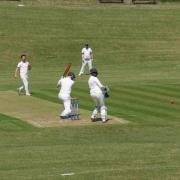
72	75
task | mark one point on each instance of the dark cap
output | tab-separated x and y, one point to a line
72	75
93	70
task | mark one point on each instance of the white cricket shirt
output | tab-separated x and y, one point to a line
23	66
86	53
94	85
66	85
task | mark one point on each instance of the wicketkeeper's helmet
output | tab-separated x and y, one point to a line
93	71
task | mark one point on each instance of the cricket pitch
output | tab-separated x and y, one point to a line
43	113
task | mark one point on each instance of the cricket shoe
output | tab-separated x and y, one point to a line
28	94
64	117
80	74
104	120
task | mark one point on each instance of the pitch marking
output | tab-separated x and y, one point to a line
67	174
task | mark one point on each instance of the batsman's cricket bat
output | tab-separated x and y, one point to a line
66	70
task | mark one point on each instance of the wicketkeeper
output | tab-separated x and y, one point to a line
66	84
98	92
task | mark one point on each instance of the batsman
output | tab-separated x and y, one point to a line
98	92
66	82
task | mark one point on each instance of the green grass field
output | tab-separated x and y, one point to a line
136	50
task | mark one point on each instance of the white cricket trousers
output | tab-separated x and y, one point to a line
99	106
67	104
84	62
24	79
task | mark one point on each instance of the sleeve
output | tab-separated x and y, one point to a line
19	65
59	82
90	50
99	83
82	51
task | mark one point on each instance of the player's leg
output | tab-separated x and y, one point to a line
90	64
96	110
25	82
103	108
19	89
103	113
61	97
67	105
82	67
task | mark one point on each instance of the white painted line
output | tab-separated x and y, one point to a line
122	121
21	5
67	174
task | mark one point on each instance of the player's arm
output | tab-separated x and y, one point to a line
99	83
104	89
82	55
29	67
91	54
16	72
59	83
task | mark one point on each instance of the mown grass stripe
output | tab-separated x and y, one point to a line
8	123
142	94
147	101
45	96
171	88
151	90
162	104
146	109
158	90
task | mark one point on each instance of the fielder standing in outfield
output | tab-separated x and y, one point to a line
87	58
23	68
96	92
66	84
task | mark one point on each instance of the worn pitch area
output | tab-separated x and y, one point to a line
43	113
